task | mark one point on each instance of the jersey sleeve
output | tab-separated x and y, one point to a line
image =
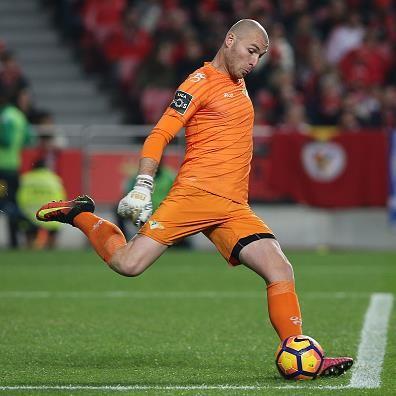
188	99
190	96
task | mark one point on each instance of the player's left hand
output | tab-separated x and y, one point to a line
137	203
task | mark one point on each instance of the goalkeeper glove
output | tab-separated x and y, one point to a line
137	203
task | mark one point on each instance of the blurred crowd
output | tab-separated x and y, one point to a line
17	87
23	125
330	61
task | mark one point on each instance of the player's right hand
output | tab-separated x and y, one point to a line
137	203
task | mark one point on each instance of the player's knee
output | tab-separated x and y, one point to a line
126	265
283	264
288	270
132	266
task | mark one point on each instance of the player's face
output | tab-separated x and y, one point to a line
244	53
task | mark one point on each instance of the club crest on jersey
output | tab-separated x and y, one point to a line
181	101
155	225
245	92
197	77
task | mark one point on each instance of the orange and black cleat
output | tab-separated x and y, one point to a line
65	211
332	367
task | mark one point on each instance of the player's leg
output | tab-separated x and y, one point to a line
245	238
265	257
136	256
129	259
180	215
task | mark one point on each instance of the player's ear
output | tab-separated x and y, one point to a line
229	39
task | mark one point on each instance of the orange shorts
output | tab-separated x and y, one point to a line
188	210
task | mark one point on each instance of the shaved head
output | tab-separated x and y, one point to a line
247	26
244	44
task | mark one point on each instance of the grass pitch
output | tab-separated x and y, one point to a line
188	325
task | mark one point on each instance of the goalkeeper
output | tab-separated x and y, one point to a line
210	193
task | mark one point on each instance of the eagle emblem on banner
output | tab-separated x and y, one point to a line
323	161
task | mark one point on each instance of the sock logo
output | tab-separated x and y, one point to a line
296	320
97	225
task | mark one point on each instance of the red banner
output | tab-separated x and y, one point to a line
346	171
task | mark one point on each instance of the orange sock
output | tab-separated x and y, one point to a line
105	237
284	309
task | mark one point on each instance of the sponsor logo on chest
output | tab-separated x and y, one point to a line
236	93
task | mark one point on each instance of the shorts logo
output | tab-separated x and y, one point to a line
197	77
155	225
181	101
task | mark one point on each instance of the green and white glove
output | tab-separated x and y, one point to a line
137	203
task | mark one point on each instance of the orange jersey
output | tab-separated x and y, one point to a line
218	116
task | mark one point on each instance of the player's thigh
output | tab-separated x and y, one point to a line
265	257
137	255
241	228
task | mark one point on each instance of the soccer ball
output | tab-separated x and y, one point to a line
299	357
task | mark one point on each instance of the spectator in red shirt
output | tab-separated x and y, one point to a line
101	17
368	64
127	47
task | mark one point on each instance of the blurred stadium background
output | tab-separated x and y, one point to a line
93	76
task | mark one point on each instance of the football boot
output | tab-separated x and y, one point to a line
65	211
332	367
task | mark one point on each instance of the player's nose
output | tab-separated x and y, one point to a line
253	62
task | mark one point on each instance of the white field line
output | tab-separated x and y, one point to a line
125	388
43	294
366	373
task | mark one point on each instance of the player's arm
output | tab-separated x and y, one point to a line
137	203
